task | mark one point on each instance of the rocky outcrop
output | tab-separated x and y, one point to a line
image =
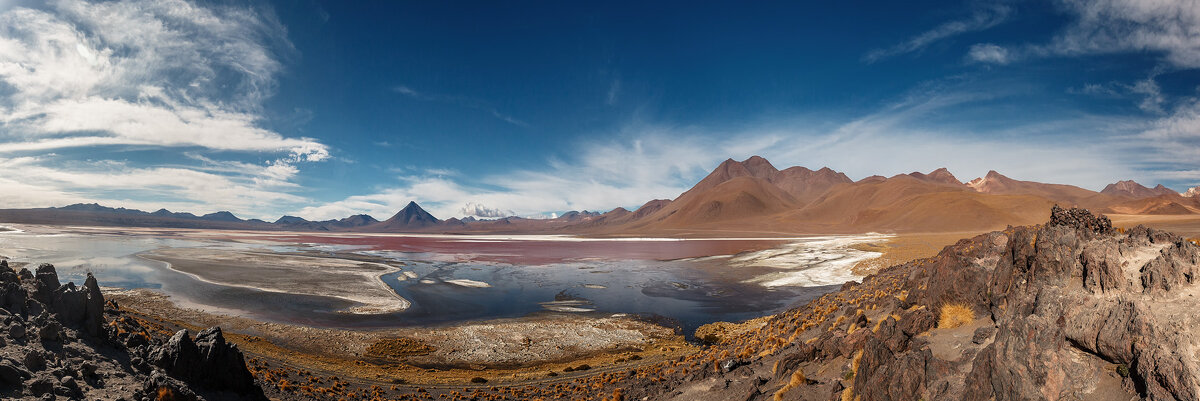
60	341
208	361
1072	309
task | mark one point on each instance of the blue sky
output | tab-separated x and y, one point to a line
325	109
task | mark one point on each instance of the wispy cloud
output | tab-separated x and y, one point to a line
1171	28
980	19
171	76
256	193
614	92
988	53
461	101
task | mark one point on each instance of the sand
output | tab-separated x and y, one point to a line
1187	226
351	280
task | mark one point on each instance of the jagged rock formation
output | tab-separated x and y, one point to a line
205	361
1072	309
64	341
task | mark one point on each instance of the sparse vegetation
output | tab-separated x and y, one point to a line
797	379
397	348
955	315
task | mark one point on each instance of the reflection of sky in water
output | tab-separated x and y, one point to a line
688	292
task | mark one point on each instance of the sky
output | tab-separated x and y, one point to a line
327	109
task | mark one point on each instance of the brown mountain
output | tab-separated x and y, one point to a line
914	204
802	184
1170	204
1132	189
941	175
738	198
733	191
997	184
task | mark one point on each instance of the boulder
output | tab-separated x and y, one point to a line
1080	219
46	283
12	374
209	361
159	386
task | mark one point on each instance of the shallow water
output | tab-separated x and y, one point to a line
454	279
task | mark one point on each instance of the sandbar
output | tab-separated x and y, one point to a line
352	280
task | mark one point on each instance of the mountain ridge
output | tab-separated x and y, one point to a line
748	196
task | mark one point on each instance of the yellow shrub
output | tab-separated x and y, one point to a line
797	379
955	315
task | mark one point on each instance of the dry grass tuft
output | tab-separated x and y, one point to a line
955	315
165	394
854	362
797	379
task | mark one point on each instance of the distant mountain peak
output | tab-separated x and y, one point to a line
290	220
220	216
412	216
941	175
760	167
1133	189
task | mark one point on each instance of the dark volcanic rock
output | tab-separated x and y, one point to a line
209	361
1080	219
11	374
55	342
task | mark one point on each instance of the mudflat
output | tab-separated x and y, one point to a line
353	280
499	349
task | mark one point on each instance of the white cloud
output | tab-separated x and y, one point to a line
1152	96
164	73
258	193
1173	140
171	76
982	18
1168	27
477	210
988	53
1111	26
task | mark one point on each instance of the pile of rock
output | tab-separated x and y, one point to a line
59	341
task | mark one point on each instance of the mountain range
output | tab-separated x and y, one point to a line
750	196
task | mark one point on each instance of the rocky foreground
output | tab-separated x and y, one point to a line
1072	309
63	341
1069	310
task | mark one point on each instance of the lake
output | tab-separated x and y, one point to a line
302	278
